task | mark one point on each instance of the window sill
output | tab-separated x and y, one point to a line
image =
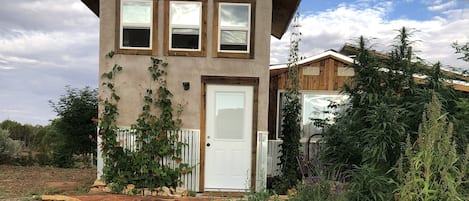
185	53
134	52
234	55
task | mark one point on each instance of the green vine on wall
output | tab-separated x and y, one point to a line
156	162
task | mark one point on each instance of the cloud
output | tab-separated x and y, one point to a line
442	6
44	46
331	29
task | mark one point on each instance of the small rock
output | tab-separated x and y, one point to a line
172	190
58	197
130	187
107	189
146	191
98	183
166	191
162	193
181	191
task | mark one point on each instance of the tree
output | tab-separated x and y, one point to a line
18	131
462	49
76	109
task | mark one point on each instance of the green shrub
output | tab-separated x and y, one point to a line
259	196
323	190
8	147
43	159
63	157
369	184
280	185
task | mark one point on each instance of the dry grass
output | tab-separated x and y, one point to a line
19	181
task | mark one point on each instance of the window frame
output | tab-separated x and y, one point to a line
168	50
152	49
278	117
217	52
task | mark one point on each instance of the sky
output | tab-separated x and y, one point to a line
46	45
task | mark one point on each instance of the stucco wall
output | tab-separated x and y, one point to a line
132	82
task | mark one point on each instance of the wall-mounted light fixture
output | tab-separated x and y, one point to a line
186	85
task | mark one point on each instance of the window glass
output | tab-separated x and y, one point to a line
234	40
185	23
234	37
234	15
136	12
234	27
320	107
136	37
136	20
229	115
185	13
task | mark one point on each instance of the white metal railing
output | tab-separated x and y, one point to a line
273	159
273	169
190	153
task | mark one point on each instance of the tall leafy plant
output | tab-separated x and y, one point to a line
434	171
291	129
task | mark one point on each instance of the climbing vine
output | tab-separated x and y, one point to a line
291	128
156	162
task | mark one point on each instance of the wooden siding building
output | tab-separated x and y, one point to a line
325	72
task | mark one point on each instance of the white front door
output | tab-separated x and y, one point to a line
228	137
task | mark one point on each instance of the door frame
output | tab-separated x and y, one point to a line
225	80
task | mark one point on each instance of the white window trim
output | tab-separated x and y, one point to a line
136	25
171	26
231	28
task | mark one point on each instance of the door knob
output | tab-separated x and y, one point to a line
208	144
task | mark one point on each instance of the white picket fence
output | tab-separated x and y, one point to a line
190	154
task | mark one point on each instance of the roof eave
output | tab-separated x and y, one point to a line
93	5
282	14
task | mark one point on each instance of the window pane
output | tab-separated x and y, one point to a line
229	115
135	37
185	38
136	12
317	106
234	15
186	13
233	40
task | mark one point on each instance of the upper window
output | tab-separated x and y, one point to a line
185	25
136	24
234	27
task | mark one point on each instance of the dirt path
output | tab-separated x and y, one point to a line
19	181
